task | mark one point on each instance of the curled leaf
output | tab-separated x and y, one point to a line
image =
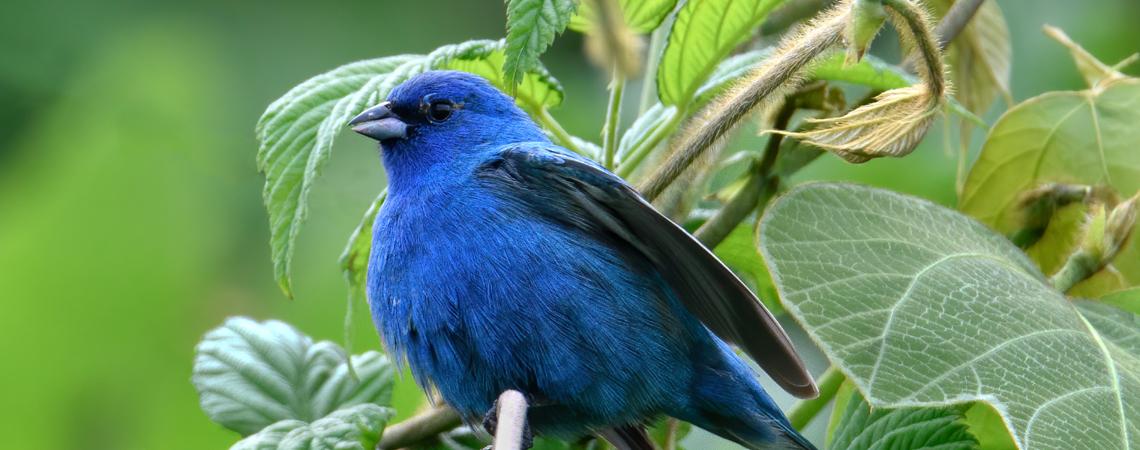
897	120
1119	227
1096	73
892	125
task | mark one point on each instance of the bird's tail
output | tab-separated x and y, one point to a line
729	401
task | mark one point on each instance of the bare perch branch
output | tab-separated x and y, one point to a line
955	21
511	421
418	428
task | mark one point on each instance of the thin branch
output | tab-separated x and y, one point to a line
804	411
511	417
956	20
653	58
641	149
756	191
728	110
613	120
418	428
560	135
672	426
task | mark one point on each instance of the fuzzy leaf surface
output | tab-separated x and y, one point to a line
250	375
921	306
353	428
1085	137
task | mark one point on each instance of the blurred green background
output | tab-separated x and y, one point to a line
130	210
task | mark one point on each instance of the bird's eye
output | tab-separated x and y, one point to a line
440	110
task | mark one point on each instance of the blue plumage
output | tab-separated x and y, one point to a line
501	261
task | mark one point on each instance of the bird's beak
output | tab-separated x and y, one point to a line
379	123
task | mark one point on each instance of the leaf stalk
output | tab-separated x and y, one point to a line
613	119
805	410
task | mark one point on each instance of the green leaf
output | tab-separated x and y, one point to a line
536	90
870	71
357	427
921	306
642	16
1128	300
296	132
354	259
659	433
1087	137
250	375
987	427
531	28
910	428
740	252
705	32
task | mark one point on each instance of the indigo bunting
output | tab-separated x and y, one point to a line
502	261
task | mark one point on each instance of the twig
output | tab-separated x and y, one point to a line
653	58
419	428
511	417
756	191
671	428
730	109
560	135
613	119
956	20
1077	268
804	411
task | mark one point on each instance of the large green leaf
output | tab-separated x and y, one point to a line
642	16
921	306
531	28
250	375
863	428
296	132
1087	137
705	32
1128	300
356	427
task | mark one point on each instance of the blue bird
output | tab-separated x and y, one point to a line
502	261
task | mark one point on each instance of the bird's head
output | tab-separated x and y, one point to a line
435	114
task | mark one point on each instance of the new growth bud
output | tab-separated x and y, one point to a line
897	120
1118	228
1036	208
1106	233
867	18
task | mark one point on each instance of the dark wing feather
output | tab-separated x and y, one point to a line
568	189
628	437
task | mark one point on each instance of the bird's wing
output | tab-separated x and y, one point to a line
628	437
569	189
